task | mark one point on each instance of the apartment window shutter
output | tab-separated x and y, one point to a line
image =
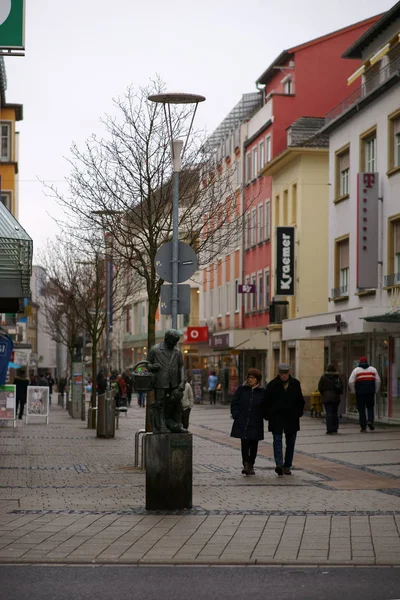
344	161
396	126
397	237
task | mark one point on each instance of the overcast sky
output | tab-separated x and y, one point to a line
82	53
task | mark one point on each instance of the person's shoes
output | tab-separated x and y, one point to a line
329	432
371	427
287	471
246	468
363	430
334	432
279	470
252	471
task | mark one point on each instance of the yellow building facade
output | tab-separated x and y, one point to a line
300	196
9	115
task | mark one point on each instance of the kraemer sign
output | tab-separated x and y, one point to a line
367	230
284	261
12	14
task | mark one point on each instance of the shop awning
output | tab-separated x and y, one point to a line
392	317
16	249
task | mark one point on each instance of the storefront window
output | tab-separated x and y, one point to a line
396	379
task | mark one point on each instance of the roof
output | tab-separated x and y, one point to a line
15	254
305	133
286	54
390	317
356	49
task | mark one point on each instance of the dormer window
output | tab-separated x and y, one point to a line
287	85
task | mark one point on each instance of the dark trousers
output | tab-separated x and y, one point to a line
20	405
213	396
278	449
249	451
331	417
365	403
185	417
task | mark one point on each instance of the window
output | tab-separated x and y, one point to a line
237	303
394	58
393	278
247	231
143	318
260	223
342	172
261	155
6	199
128	319
238	172
219	300
253	226
285	207
254	164
288	86
211	303
228	297
294	204
260	291
370	155
394	140
341	268
254	296
205	301
248	167
266	288
268	151
276	209
368	151
267	220
6	142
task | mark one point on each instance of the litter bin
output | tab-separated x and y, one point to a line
106	414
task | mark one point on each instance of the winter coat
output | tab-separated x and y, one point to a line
364	380
284	407
21	388
248	410
330	387
212	383
187	398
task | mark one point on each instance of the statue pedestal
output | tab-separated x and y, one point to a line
169	471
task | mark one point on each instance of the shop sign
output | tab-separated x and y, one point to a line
12	24
193	335
285	261
367	230
247	288
220	341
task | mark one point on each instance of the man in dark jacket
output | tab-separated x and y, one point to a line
21	383
331	388
284	407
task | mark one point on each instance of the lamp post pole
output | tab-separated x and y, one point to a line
176	162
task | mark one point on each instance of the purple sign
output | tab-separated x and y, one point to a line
247	288
219	341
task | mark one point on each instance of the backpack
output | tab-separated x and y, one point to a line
338	386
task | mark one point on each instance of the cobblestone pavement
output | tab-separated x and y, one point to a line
69	497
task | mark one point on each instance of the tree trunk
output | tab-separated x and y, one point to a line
93	413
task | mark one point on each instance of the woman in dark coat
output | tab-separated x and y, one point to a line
330	387
248	410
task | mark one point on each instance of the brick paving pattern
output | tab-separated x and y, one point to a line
69	497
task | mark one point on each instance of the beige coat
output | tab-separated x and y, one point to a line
187	398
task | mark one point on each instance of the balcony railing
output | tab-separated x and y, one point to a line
369	86
393	279
339	292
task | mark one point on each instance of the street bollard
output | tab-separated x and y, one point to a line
136	457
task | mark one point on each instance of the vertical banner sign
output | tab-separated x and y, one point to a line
12	16
284	261
367	230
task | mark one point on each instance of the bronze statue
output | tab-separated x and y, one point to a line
166	362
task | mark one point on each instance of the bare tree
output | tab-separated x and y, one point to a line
77	279
122	183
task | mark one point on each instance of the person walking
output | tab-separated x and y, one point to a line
50	383
331	388
187	404
284	407
212	387
248	412
365	382
21	383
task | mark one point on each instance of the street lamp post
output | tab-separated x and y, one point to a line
166	99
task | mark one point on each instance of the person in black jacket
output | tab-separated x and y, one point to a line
331	388
21	383
284	407
248	410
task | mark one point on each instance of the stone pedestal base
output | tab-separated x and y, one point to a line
169	471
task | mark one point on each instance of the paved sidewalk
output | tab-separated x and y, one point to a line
68	497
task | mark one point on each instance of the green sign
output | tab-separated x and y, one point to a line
12	14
